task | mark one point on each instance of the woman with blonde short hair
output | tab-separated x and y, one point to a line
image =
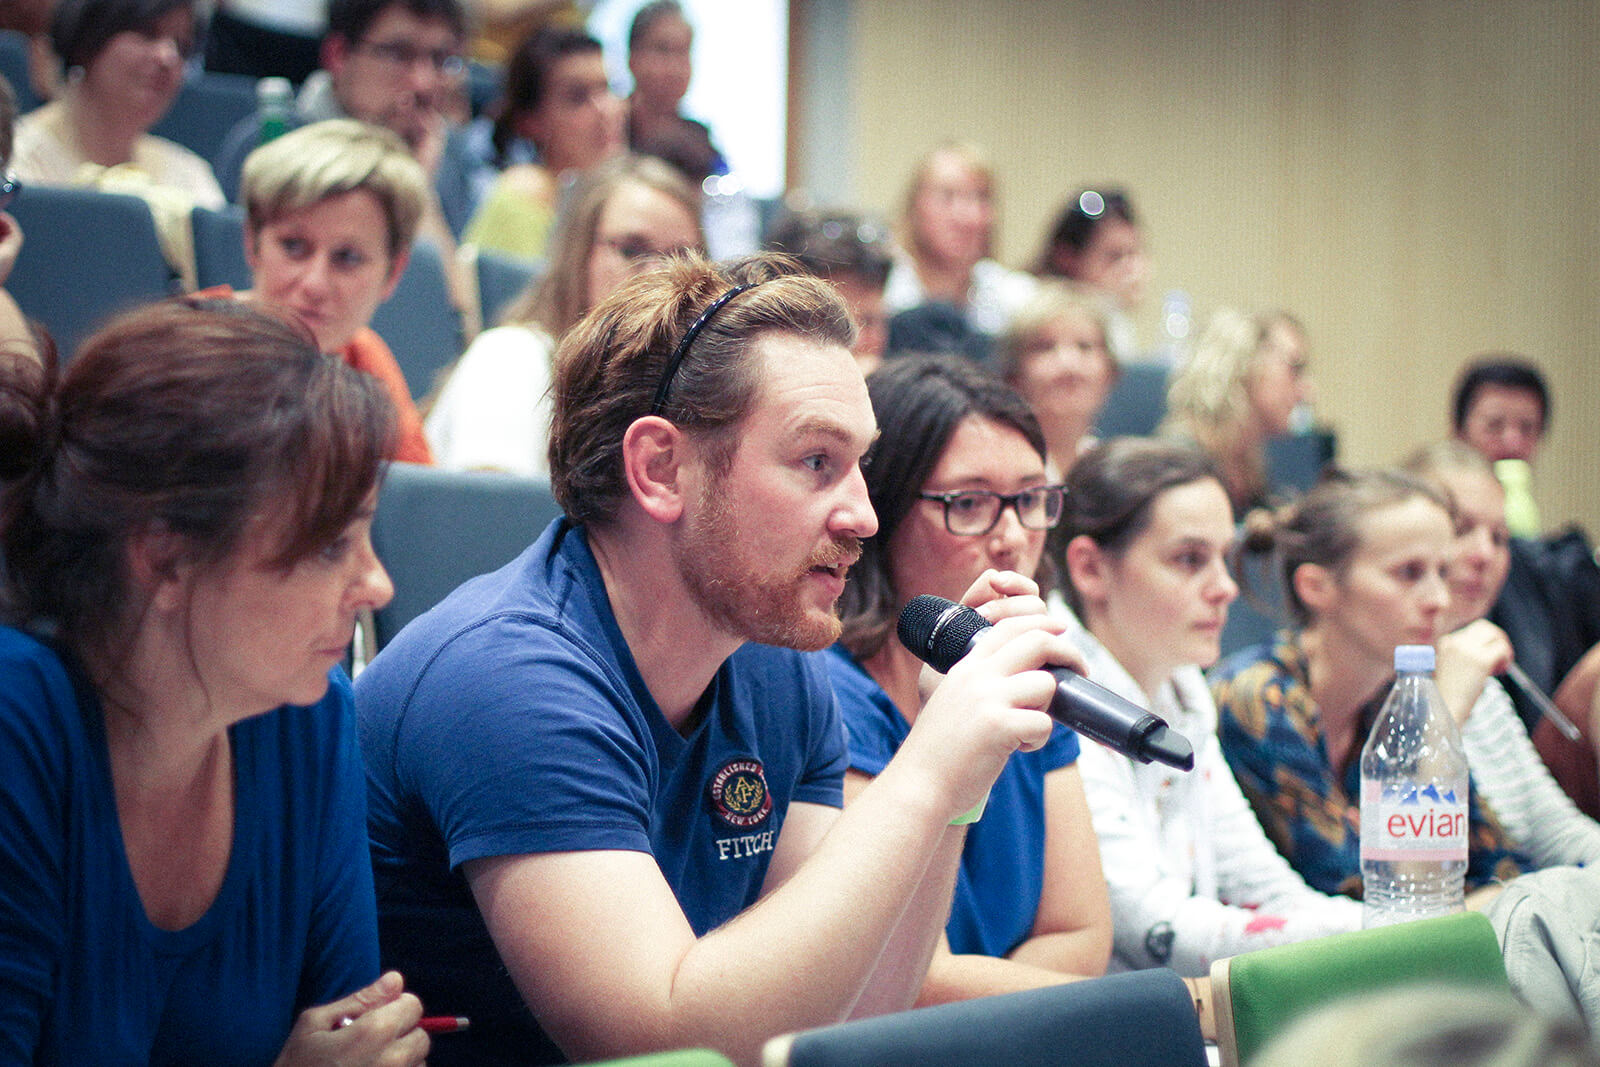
1056	354
331	210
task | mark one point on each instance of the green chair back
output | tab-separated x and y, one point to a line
1257	994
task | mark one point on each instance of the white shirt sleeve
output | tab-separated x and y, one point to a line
1510	776
493	412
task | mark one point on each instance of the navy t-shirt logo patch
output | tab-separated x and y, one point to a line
739	793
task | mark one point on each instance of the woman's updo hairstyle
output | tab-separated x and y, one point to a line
189	416
1322	527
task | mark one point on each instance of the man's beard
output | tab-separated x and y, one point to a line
745	600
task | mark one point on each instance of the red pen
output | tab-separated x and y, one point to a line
430	1024
444	1024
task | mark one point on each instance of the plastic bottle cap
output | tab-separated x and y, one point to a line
1413	658
274	90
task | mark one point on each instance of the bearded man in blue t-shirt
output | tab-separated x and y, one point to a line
587	768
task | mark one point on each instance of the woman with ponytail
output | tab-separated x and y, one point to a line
1363	562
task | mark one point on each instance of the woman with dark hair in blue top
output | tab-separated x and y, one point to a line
957	478
184	875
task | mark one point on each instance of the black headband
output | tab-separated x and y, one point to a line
671	370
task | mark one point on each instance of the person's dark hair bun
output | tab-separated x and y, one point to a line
27	388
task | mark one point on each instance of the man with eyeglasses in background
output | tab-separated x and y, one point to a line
396	63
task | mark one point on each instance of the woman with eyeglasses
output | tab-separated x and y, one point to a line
557	99
493	410
1192	876
123	62
957	478
1096	242
184	871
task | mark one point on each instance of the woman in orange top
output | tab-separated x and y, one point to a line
331	209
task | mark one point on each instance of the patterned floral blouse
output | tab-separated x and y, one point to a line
1273	741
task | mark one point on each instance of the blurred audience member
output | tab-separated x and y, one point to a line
557	98
1430	1026
659	45
394	63
1242	385
1192	876
1096	242
123	64
1550	603
15	333
493	410
948	227
852	252
1501	407
1055	354
331	211
1509	772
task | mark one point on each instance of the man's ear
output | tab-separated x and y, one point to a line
334	52
1089	570
158	565
654	452
1314	584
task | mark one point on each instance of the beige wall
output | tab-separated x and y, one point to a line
1417	179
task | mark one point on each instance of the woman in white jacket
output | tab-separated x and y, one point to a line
1192	876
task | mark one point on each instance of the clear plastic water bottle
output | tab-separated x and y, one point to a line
274	102
1413	800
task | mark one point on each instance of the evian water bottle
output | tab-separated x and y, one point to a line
1413	800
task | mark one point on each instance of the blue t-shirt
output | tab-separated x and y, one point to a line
1002	863
512	719
84	975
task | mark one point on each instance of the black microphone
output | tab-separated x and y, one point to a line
940	632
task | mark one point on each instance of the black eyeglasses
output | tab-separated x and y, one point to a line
974	512
405	54
10	186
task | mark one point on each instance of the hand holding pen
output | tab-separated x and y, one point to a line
377	1026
